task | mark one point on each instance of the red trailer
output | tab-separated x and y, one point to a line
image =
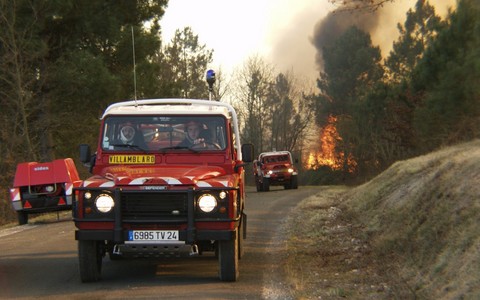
43	187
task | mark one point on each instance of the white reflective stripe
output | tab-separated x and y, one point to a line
15	194
168	180
206	184
171	180
95	184
68	188
139	180
87	183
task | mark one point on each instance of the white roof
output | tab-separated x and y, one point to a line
274	153
170	106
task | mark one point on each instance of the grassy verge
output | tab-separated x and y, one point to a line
411	232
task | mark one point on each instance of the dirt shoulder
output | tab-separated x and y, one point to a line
330	256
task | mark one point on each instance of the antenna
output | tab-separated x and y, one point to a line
134	68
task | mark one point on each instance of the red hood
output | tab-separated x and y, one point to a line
122	175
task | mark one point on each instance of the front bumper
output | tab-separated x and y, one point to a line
41	205
122	220
184	235
279	177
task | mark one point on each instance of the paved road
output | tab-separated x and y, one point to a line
39	261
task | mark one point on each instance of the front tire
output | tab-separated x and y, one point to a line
266	184
240	236
294	183
228	260
90	260
258	184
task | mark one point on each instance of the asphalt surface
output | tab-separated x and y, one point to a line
39	261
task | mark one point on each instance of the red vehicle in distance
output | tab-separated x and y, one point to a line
275	168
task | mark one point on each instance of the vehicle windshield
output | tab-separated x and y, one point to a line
277	159
164	133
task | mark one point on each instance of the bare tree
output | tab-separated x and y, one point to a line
19	81
251	92
276	109
290	112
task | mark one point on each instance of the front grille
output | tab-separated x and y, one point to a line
144	206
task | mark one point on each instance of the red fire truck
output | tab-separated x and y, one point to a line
168	180
275	168
43	187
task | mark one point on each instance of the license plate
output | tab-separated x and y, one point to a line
152	235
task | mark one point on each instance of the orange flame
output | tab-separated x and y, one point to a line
327	155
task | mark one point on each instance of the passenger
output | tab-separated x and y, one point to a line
192	134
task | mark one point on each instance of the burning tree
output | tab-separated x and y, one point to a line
327	153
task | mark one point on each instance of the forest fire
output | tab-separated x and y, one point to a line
328	154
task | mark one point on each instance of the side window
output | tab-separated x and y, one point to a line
220	136
233	143
108	136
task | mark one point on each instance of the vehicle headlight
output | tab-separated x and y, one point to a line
270	172
290	170
207	203
222	195
104	203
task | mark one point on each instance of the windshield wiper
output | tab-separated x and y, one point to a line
135	147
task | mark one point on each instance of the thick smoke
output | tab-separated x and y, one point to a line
335	24
316	25
381	24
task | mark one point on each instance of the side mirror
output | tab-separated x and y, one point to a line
247	152
85	154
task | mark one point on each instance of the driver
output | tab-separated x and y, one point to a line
192	136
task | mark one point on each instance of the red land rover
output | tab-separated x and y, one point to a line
275	168
162	188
